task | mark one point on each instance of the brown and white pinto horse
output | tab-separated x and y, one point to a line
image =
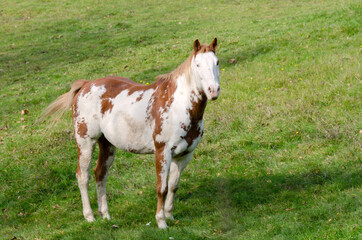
164	118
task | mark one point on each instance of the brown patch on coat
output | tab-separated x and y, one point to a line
198	107
196	113
106	105
161	101
193	133
139	98
106	150
183	126
141	88
82	129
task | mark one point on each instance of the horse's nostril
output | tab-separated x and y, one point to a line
214	89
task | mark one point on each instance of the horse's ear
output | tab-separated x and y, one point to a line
213	45
197	45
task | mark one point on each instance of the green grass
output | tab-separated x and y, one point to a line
281	153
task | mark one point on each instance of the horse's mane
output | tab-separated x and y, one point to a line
185	67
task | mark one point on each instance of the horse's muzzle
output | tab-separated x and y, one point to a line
214	92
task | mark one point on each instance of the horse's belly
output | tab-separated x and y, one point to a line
129	134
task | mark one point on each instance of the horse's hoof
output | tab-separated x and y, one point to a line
104	215
162	225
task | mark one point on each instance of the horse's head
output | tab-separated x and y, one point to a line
205	67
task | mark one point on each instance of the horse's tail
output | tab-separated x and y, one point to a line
62	103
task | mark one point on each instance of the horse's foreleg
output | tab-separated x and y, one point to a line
105	160
177	166
85	151
163	160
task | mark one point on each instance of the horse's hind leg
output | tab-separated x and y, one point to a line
177	166
105	160
85	152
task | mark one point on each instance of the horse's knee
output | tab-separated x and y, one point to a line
173	187
83	181
83	178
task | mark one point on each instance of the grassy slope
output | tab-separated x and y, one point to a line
281	154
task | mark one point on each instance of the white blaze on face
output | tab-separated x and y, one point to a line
206	67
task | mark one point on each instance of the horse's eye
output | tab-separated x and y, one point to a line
217	62
197	65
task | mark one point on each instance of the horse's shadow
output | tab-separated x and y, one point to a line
240	196
244	193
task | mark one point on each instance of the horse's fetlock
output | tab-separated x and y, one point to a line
173	188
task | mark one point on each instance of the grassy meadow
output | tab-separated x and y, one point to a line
281	153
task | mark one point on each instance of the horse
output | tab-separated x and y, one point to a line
164	118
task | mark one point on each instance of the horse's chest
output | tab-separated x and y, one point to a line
187	138
178	121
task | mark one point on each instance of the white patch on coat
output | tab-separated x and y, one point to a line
126	126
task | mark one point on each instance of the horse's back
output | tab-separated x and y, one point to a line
116	80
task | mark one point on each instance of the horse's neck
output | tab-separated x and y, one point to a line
182	87
190	94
